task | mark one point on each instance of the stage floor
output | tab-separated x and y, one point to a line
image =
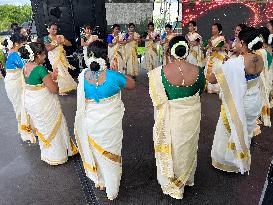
25	179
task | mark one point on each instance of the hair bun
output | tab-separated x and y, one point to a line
180	50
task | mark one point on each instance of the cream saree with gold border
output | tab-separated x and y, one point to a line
151	57
14	84
196	56
49	123
175	134
132	65
57	58
241	106
116	55
265	85
99	134
214	60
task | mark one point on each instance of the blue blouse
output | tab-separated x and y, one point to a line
112	85
14	61
110	38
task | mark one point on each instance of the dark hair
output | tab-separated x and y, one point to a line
219	27
18	29
36	47
87	26
151	24
131	24
169	26
242	26
115	26
100	50
271	22
249	35
52	24
180	50
265	34
18	38
193	23
13	26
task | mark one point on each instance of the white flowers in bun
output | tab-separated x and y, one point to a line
100	61
270	39
180	43
254	42
31	53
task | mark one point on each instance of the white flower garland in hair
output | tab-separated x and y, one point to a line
270	39
100	61
10	44
31	53
180	43
220	32
255	41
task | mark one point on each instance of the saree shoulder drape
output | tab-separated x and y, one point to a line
175	140
241	106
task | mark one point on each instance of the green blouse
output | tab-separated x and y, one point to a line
36	76
176	92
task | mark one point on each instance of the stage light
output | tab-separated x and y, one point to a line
194	9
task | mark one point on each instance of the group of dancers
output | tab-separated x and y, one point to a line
239	70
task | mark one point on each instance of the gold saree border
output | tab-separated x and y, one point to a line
87	167
13	70
232	108
47	142
109	155
163	150
224	167
90	101
34	87
54	162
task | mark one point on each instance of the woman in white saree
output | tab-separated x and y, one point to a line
196	56
98	122
266	75
175	91
238	79
14	85
215	55
57	56
42	105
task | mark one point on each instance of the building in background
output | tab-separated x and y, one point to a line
129	11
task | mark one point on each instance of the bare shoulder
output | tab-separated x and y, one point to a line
253	63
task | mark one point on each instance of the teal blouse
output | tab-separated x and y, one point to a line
112	85
176	92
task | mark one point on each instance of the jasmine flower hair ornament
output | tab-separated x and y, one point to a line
255	41
180	43
31	54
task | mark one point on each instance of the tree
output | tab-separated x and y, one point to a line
12	13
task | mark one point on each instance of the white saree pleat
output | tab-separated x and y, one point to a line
265	83
151	58
240	110
99	134
58	60
45	111
14	89
177	161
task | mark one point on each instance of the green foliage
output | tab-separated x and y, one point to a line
12	13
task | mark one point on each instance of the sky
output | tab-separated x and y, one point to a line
17	2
